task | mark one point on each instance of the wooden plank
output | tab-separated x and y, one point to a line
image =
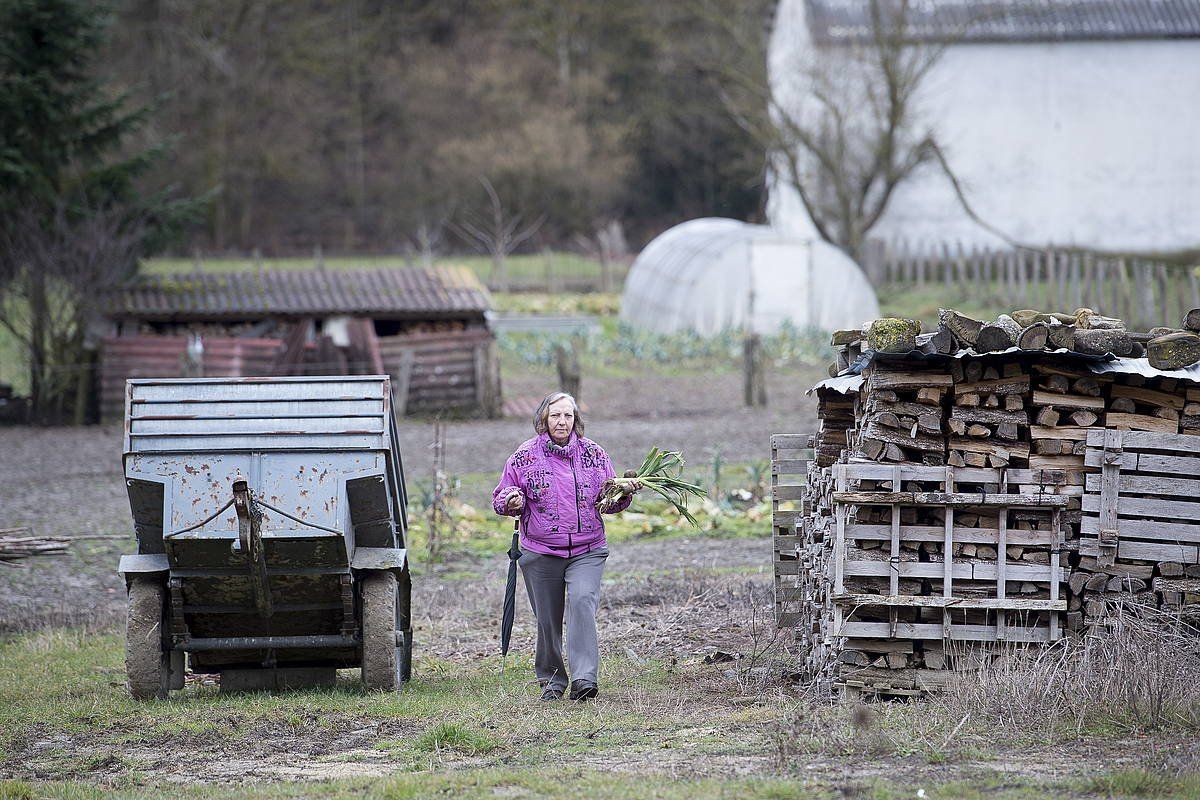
1145	507
908	630
930	601
1175	465
991	416
889	379
932	533
1056	573
1002	449
1154	530
1161	485
948	552
1147	440
1018	384
1070	433
1143	551
789	466
894	577
839	544
784	519
958	570
790	441
979	499
1110	493
1149	396
1002	563
1042	398
870	470
785	492
1140	422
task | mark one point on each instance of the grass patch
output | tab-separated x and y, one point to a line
458	738
1144	783
519	266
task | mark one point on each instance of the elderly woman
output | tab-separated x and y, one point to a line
553	482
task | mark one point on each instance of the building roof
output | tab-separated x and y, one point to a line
849	21
397	293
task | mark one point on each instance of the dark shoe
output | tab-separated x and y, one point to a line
582	690
552	694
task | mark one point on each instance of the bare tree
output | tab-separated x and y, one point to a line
54	275
496	232
840	124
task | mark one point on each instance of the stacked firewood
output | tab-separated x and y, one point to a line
1137	403
988	421
836	413
901	415
1016	396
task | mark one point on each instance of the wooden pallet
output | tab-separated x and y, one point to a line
955	491
1142	499
788	469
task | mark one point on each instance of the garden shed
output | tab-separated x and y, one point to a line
427	328
712	275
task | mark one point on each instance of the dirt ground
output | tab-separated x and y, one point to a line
65	481
701	605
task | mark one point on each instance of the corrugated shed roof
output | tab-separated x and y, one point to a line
384	293
850	21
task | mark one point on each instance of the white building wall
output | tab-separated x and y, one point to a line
1095	144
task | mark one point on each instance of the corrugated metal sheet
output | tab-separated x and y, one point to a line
1140	366
445	371
849	21
257	414
843	384
382	293
125	357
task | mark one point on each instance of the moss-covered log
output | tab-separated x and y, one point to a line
1173	351
893	335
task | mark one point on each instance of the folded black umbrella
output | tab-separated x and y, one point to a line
510	591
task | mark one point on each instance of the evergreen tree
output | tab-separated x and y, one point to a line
72	221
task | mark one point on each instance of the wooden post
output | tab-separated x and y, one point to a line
754	381
566	359
1002	559
402	378
894	573
948	556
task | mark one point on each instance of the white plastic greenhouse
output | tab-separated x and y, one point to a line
710	275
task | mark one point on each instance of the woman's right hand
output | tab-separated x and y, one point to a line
516	500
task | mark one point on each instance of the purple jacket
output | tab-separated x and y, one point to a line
560	485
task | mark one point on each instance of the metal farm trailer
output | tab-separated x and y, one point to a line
270	521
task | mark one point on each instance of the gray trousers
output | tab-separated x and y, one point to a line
572	585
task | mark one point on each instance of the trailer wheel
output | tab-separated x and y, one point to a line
147	666
380	665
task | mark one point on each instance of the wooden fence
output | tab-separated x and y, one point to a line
1142	291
